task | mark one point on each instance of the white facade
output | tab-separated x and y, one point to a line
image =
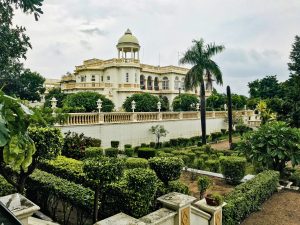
118	78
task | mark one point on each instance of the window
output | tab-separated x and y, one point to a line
156	84
142	82
108	78
102	79
149	83
83	78
176	83
127	77
165	83
182	83
93	78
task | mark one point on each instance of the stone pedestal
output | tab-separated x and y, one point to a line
20	206
181	204
120	219
214	211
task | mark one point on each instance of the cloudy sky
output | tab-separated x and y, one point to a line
257	34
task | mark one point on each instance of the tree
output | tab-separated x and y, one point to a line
145	102
185	102
273	144
31	86
159	131
268	87
165	105
14	43
229	103
199	56
55	93
216	101
265	113
88	101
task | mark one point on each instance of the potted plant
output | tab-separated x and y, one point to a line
214	199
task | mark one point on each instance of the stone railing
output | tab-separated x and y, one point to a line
125	117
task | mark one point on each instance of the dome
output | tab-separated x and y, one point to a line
128	38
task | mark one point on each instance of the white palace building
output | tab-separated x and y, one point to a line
119	78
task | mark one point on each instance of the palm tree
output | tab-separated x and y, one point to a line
199	56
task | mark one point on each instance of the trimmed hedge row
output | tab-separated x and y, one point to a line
132	163
5	187
48	191
247	197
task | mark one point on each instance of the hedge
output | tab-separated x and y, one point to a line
233	168
5	187
114	144
132	163
48	190
129	152
213	165
247	197
111	152
92	152
146	153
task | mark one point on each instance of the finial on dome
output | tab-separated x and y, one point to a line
128	31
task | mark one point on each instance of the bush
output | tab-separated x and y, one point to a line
241	129
146	153
173	142
247	197
111	152
207	149
93	152
166	168
127	146
199	164
213	165
233	168
132	163
166	144
129	152
223	131
48	190
203	184
204	156
75	145
152	144
114	144
145	102
174	186
215	136
5	187
185	102
295	178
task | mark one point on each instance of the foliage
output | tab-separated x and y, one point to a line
199	164
267	87
129	152
215	136
241	128
165	105
233	168
295	178
48	142
111	152
55	93
265	113
132	163
93	152
48	190
174	186
166	168
273	144
146	153
127	146
114	144
145	102
203	183
75	144
159	131
213	165
199	56
247	197
216	101
185	102
88	100
5	187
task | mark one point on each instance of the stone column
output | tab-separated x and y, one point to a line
214	211
213	114
132	55
118	53
181	204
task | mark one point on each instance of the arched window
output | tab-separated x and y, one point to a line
156	84
176	83
165	83
182	83
149	83
142	82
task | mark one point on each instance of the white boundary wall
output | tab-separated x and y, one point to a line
136	133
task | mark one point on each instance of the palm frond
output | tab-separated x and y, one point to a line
212	49
193	78
214	69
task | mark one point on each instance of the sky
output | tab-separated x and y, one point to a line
257	34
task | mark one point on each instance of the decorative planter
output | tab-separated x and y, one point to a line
211	201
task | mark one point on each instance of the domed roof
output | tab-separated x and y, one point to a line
128	38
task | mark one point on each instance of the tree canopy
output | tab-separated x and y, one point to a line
185	102
145	102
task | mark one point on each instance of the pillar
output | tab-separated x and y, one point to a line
132	56
181	204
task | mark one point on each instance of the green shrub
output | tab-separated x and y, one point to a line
164	154
215	136
146	153
182	142
247	197
295	178
111	152
166	169
174	186
132	163
48	190
167	150
207	149
144	145
129	152
5	187
223	131
173	142
213	165
75	145
92	152
127	146
199	164
203	184
152	144
204	156
114	144
166	144
233	168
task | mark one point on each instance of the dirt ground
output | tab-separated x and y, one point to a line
223	145
282	208
219	185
